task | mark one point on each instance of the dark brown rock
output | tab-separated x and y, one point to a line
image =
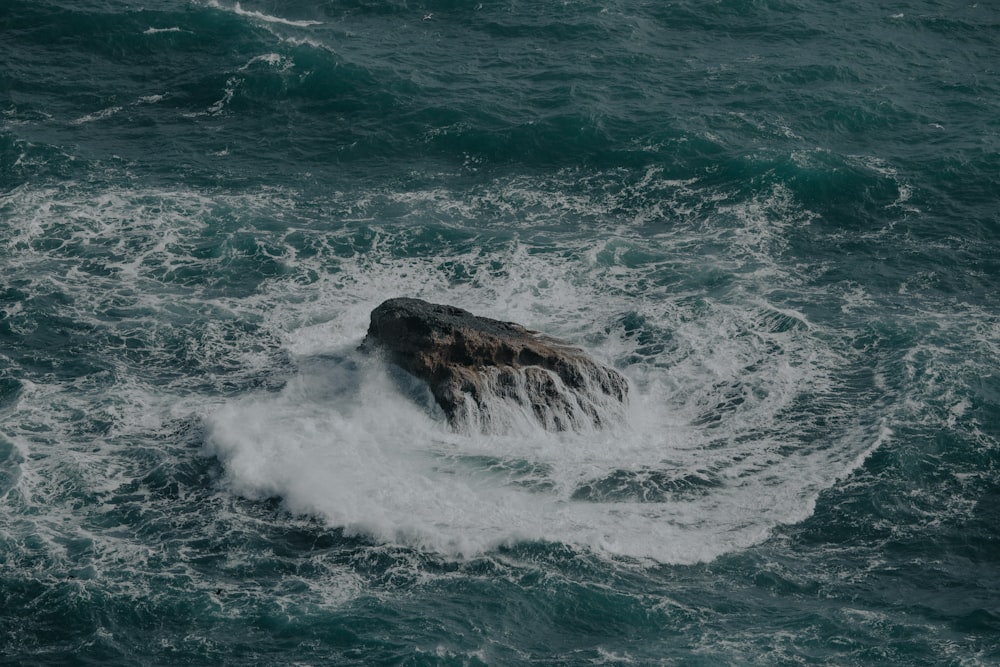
474	364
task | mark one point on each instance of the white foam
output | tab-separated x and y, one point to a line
711	458
345	442
883	168
378	463
260	16
232	83
274	60
98	115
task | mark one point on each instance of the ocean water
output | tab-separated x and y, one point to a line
779	219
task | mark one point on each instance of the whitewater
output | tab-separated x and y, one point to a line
777	220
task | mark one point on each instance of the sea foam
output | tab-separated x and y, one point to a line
711	457
261	16
722	441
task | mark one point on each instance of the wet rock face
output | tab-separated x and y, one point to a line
485	373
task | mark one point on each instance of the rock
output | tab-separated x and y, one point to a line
485	373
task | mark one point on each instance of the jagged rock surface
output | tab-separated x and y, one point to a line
480	369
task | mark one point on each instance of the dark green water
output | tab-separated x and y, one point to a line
779	220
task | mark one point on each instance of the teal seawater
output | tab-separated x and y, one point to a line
779	219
